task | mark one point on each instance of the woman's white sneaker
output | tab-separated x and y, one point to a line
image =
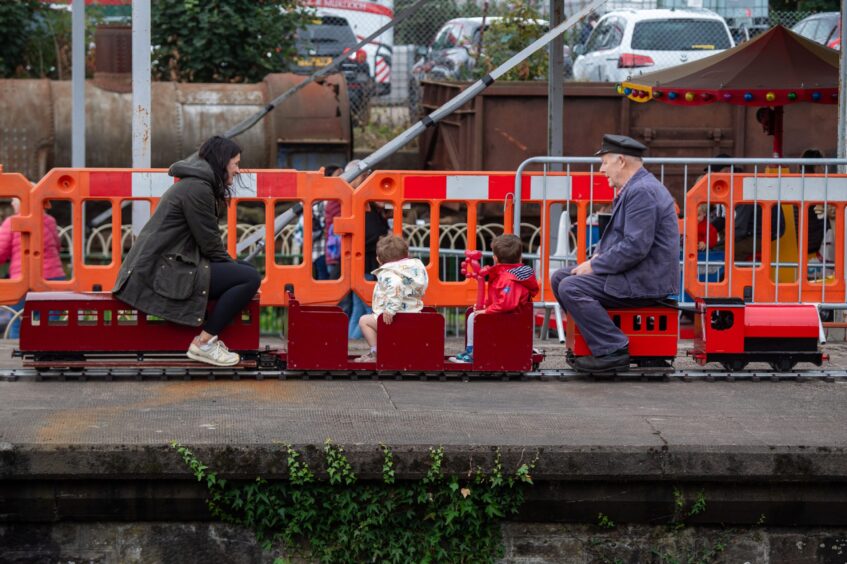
214	352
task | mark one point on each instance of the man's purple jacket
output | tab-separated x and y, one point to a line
639	251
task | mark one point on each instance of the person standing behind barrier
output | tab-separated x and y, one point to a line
511	284
332	242
637	261
376	225
815	221
707	234
10	251
178	262
401	282
320	229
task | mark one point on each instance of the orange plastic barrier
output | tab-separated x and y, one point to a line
115	186
14	185
470	189
767	281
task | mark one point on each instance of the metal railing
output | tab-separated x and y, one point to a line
826	190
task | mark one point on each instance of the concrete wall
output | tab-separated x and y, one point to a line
525	543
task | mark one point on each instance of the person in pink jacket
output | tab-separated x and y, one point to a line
10	251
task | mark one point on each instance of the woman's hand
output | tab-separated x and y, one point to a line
387	317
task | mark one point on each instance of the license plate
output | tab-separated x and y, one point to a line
314	61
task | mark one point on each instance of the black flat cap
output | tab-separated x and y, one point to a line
621	145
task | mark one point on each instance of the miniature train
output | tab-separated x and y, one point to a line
61	330
87	330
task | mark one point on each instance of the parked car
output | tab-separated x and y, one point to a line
324	38
452	54
634	42
825	28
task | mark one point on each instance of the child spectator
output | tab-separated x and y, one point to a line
400	285
332	209
704	227
511	284
11	252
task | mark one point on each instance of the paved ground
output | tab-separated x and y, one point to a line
702	415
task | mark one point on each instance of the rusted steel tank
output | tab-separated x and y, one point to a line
507	123
308	130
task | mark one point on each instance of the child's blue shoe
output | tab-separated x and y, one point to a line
464	357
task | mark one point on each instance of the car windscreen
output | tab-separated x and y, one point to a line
331	35
680	35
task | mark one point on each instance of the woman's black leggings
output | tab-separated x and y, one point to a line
233	285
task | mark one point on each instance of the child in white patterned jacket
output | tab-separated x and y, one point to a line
400	285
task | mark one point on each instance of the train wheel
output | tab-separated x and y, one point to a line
782	365
734	365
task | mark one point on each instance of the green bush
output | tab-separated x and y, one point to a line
15	21
518	28
223	40
193	40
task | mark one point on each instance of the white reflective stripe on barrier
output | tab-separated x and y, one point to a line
557	188
809	189
467	187
485	187
150	184
246	185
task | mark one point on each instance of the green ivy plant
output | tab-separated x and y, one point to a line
439	518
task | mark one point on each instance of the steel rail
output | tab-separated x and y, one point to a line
647	374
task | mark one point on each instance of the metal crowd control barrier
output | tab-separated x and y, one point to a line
776	270
470	189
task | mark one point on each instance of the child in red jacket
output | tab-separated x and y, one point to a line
705	229
511	284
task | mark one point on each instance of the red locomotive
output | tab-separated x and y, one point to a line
83	330
728	331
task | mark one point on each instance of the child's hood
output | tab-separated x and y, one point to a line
408	267
519	274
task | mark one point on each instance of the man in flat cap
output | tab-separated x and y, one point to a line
636	262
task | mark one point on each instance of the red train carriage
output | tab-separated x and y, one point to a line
652	333
82	330
728	331
414	342
67	329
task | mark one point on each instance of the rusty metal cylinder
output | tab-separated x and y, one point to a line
35	121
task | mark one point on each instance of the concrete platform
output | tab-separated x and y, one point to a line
763	434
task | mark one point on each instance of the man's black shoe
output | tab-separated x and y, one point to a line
618	360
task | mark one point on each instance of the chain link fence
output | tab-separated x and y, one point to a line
447	39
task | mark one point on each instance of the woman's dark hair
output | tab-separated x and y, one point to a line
218	151
330	170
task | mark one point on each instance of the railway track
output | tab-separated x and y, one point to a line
201	373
